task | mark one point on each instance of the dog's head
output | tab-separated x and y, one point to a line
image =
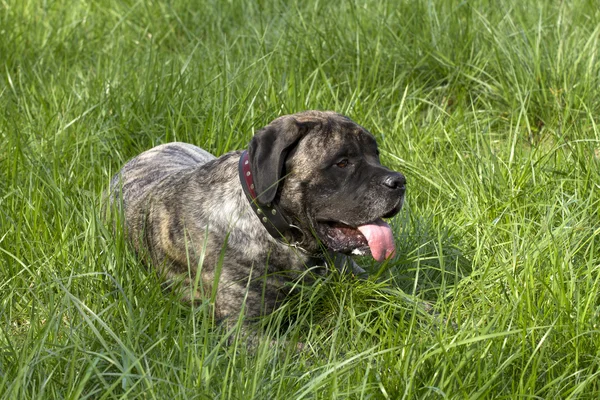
323	171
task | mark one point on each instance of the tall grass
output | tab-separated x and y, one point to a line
491	109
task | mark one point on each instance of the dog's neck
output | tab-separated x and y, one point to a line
268	214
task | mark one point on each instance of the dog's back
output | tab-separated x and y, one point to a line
145	171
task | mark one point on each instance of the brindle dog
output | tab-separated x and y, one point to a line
241	227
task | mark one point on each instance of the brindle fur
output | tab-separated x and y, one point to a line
186	212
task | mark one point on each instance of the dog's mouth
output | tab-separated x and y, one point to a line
375	238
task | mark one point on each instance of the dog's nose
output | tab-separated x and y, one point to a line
395	181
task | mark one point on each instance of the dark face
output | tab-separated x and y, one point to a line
336	189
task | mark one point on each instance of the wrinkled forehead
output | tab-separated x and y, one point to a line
335	131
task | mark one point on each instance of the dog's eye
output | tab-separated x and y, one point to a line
343	163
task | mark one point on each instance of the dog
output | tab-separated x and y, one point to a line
240	228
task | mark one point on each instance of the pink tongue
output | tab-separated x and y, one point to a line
380	239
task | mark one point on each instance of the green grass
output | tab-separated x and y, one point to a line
491	109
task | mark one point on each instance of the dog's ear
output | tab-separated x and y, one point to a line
268	150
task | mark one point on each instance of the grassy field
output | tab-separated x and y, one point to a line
491	109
